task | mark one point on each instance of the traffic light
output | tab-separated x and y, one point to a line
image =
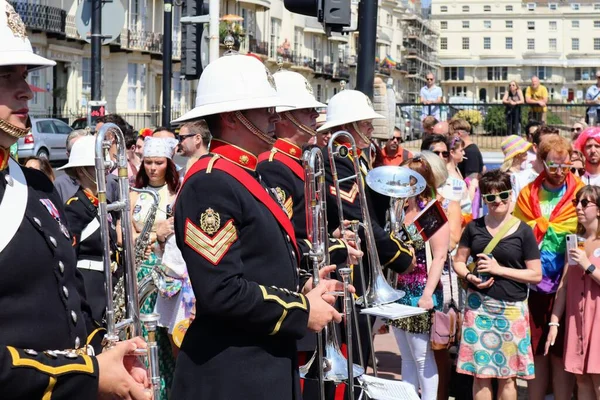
333	14
191	66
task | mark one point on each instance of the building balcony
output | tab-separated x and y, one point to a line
41	18
143	41
402	67
342	72
302	62
266	4
328	69
258	47
318	67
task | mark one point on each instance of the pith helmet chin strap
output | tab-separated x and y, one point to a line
362	136
289	116
252	128
12	130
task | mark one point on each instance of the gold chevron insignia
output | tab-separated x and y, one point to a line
288	205
214	247
349	196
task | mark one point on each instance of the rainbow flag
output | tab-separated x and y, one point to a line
389	61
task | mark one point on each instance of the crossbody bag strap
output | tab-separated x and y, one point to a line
500	235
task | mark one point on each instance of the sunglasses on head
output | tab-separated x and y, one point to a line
579	171
584	203
576	129
554	168
443	154
491	197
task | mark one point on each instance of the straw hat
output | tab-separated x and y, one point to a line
513	146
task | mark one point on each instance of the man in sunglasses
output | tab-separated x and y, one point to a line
194	138
546	205
431	94
589	144
393	153
592	99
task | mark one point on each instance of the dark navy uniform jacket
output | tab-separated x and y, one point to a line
240	251
42	297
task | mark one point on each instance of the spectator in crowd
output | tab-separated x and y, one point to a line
133	161
530	129
393	153
163	132
577	163
592	99
139	144
589	144
536	96
456	184
495	330
472	165
578	299
428	123
194	139
441	128
41	164
546	205
437	144
515	150
512	99
431	94
577	128
66	185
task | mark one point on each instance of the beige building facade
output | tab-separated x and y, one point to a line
483	45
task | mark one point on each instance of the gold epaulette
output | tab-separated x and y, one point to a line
72	199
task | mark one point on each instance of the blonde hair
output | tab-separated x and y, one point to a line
516	85
438	167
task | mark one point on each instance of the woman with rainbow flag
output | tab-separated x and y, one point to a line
546	205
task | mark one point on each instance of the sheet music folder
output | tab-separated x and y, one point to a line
386	389
393	311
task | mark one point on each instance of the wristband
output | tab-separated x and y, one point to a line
556	324
467	276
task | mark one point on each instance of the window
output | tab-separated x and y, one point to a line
499	92
136	86
398	23
596	6
298	41
596	24
487	24
86	75
553	6
531	25
389	20
444	9
138	11
552	25
584	74
454	73
508	43
543	72
444	43
317	48
575	24
61	127
508	8
487	8
45	126
319	92
458	91
508	24
574	44
497	73
274	41
466	24
465	43
552	44
530	44
35	78
530	6
176	85
596	43
575	6
487	43
465	8
443	24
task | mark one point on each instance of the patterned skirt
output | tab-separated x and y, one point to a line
496	341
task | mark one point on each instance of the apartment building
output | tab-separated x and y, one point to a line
132	64
483	45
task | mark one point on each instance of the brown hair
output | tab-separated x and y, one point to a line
495	180
458	124
419	164
592	193
557	143
171	177
45	166
429	122
199	127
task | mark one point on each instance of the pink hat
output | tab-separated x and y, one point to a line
593	132
514	145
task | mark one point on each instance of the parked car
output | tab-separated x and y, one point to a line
410	118
80	123
47	139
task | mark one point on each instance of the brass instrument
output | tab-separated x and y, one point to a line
143	240
327	363
130	326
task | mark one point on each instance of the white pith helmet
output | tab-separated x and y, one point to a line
295	90
15	48
83	153
346	107
233	83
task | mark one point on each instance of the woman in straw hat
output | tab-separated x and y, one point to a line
515	153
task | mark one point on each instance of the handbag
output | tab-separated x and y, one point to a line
445	326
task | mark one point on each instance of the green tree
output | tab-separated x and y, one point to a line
495	121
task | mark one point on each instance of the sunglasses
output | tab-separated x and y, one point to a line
443	154
584	203
183	137
554	168
490	198
579	171
576	129
396	138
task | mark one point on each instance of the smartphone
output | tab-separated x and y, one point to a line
571	244
482	275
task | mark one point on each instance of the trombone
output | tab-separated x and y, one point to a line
327	363
378	291
130	326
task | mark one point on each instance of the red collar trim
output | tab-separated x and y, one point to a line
4	156
235	154
349	147
288	148
91	197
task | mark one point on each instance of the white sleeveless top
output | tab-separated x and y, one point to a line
144	203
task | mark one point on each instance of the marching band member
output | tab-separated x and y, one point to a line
282	170
45	318
351	111
240	249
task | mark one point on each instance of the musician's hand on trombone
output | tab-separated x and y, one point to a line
354	254
121	377
321	312
325	277
348	234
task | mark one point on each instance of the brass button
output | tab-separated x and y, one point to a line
74	317
53	241
37	221
31	352
61	267
65	291
77	342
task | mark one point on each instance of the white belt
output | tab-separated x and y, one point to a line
91	265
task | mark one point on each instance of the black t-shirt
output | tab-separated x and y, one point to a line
512	251
473	164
